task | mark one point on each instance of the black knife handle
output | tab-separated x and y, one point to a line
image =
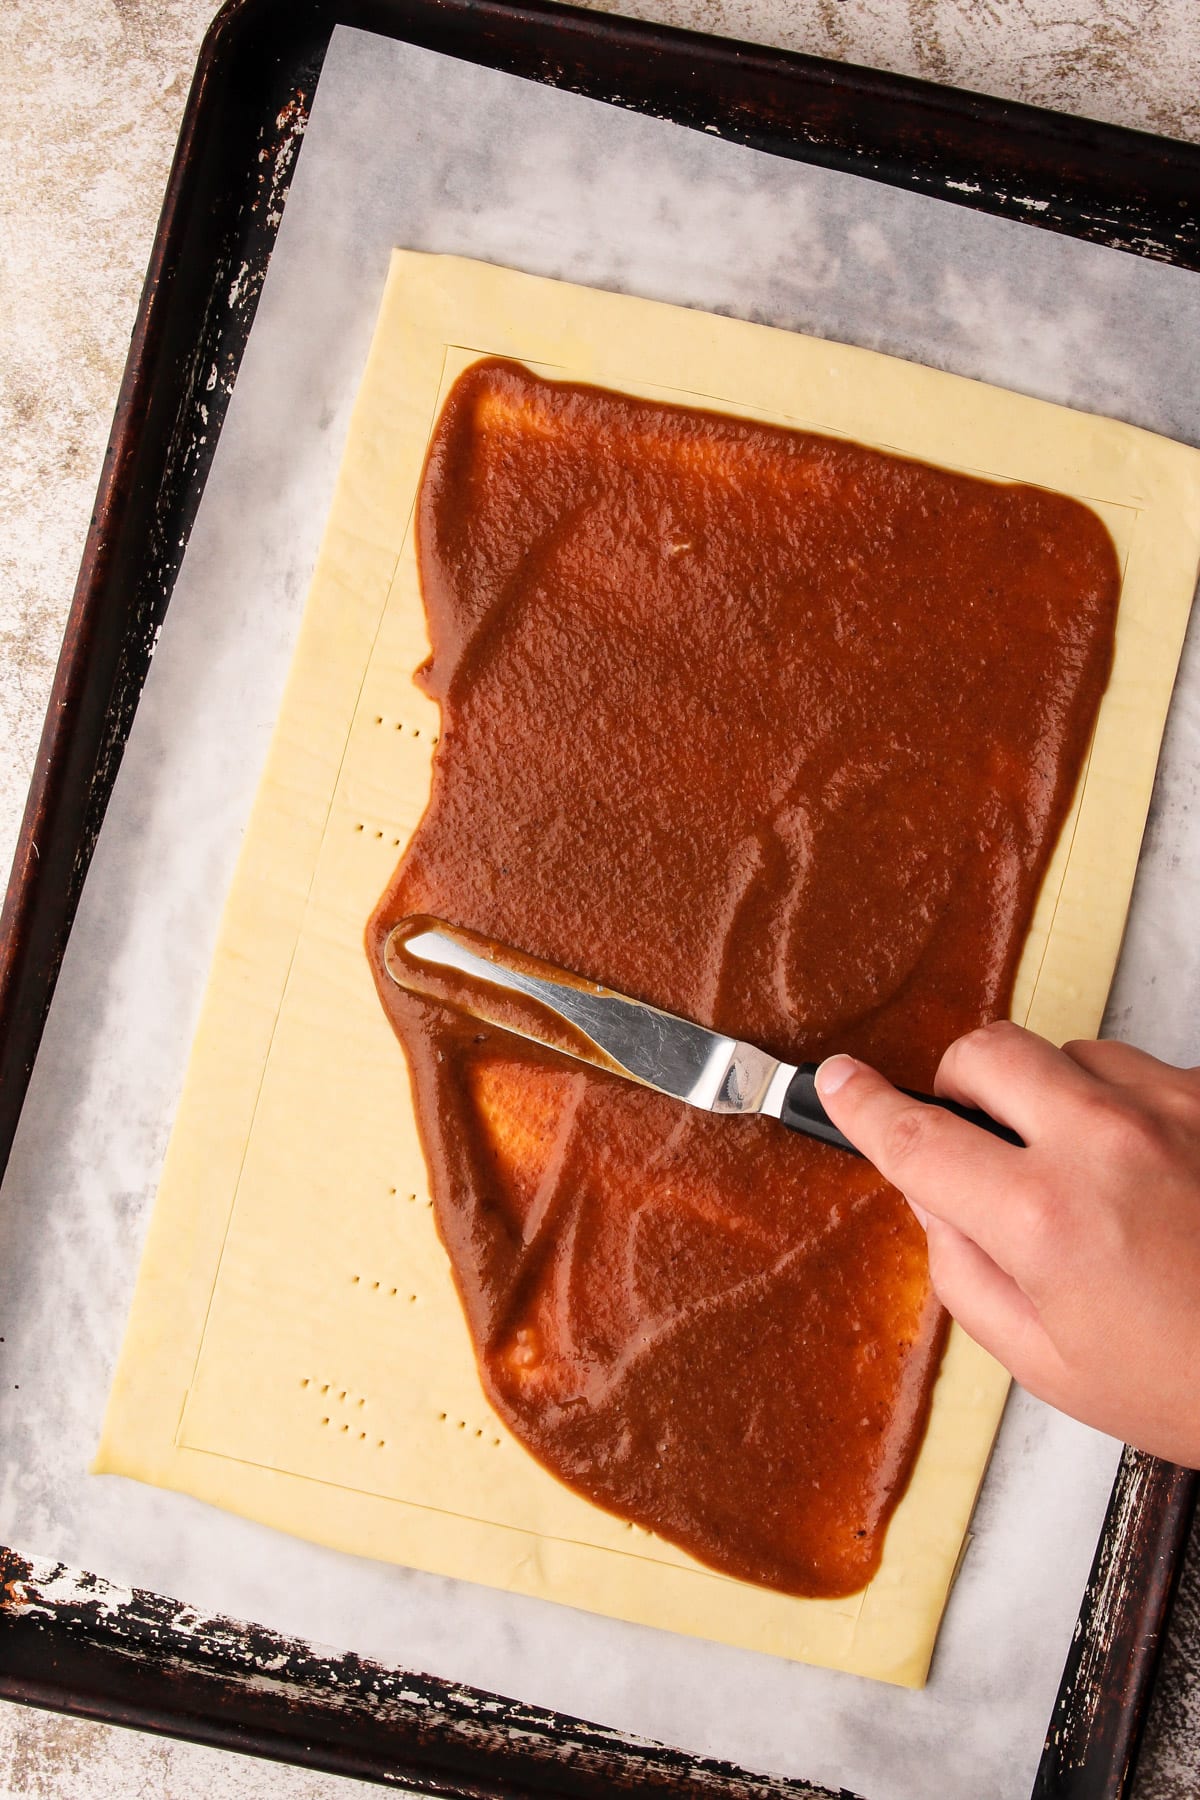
802	1111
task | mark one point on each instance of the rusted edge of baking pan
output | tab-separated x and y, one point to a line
243	126
224	198
1100	1714
133	1658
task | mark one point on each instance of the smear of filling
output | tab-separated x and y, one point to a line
775	731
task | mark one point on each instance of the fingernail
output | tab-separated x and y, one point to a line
834	1073
918	1213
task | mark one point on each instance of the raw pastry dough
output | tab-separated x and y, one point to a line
296	1351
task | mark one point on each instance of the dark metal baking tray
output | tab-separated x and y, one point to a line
68	1642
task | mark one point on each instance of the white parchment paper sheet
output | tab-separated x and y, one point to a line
408	148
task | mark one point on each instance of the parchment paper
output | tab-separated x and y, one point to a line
408	148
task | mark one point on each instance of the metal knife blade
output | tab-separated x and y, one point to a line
566	1013
609	1030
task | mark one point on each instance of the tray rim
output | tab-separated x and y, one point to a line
1093	1737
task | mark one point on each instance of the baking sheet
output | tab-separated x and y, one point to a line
405	147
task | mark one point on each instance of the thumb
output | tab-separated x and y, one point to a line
889	1128
941	1163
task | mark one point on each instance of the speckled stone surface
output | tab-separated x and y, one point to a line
91	94
72	1759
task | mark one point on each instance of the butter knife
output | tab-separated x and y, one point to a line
567	1013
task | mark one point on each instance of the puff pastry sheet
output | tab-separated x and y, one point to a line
296	1351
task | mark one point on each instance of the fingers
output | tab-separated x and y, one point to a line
1016	1076
988	1303
943	1165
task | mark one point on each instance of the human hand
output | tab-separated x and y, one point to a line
1076	1260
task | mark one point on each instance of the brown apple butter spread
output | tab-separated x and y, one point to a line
775	731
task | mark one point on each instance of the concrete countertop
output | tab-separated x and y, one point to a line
92	95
